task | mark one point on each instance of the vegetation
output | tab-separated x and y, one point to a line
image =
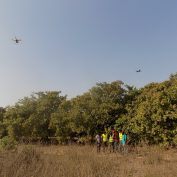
148	114
67	161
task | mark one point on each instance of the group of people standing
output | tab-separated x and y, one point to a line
113	140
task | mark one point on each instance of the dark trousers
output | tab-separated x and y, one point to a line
98	147
104	146
111	146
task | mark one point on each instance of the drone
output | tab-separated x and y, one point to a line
16	40
138	71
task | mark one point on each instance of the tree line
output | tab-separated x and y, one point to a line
148	114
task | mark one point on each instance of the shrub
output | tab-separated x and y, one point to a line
7	143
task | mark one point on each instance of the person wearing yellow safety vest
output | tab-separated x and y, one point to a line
120	135
111	142
104	137
120	139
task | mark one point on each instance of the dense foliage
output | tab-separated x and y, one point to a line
147	115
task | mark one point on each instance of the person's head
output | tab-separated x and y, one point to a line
123	132
111	133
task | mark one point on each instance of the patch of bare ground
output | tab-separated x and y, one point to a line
84	161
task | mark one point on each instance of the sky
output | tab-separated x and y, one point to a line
70	45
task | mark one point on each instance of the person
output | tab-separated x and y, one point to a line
116	140
104	137
98	141
124	140
120	139
111	142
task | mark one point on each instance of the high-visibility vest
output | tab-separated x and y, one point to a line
120	136
111	138
105	137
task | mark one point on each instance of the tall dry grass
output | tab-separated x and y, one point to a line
84	161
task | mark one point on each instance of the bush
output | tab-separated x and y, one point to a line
7	143
175	140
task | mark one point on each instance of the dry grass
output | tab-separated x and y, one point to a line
83	161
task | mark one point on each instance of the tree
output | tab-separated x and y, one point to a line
30	117
2	126
152	116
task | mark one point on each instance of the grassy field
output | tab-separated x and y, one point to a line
84	161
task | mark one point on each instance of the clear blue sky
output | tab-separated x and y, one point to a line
69	45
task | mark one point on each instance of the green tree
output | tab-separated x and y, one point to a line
2	126
60	121
152	115
30	117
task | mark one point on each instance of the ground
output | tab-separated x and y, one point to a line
84	161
